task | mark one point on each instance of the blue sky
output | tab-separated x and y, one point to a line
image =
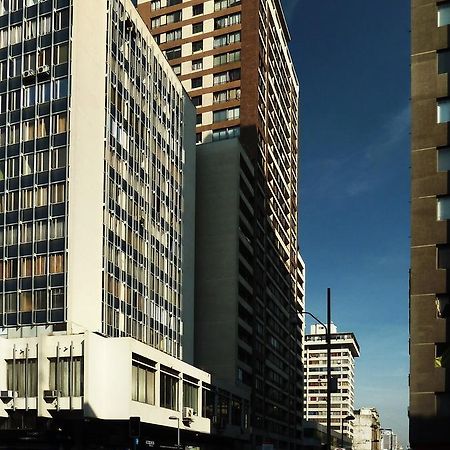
352	58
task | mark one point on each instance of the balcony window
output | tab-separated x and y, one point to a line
443	208
443	14
443	110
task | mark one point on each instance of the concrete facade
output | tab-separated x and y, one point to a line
366	429
429	409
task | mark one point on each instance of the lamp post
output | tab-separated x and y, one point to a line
328	342
346	419
178	429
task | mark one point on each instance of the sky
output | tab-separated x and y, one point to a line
352	59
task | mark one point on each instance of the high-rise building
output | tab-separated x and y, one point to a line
233	58
344	350
366	429
429	410
97	176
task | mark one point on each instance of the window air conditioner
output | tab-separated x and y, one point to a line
50	394
45	69
188	413
7	395
28	73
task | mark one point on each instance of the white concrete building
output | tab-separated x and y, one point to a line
97	167
345	349
366	429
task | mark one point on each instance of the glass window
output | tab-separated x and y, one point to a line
40	265
443	110
56	263
22	376
443	208
196	82
197	9
40	300
66	376
57	298
197	27
190	396
197	46
57	228
443	14
25	299
60	88
443	159
143	384
40	227
169	391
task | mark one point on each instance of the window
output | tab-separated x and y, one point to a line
41	196
57	193
173	35
173	53
197	46
177	69
222	4
442	358
26	200
42	161
60	88
143	383
197	27
226	39
226	133
443	14
199	119
57	298
66	376
226	114
44	56
14	100
40	265
57	228
443	110
225	96
443	306
197	64
30	29
61	19
14	134
9	268
197	101
174	17
22	375
25	298
196	82
443	208
59	123
28	130
58	158
190	396
443	256
40	228
443	159
15	34
45	24
26	232
227	21
197	9
56	263
61	54
226	58
26	269
168	391
43	92
29	96
40	300
225	77
443	59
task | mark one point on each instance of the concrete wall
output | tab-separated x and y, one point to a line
217	258
87	124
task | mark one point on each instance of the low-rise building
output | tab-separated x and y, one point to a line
366	429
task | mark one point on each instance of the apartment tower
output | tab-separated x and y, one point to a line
344	350
232	57
429	410
97	176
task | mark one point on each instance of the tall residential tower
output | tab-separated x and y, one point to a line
233	58
429	410
97	158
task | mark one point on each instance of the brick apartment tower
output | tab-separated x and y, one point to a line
232	57
429	410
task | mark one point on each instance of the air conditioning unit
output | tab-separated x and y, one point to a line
50	394
28	73
44	70
7	395
188	413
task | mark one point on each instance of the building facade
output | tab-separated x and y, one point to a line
97	165
429	410
344	350
366	429
233	59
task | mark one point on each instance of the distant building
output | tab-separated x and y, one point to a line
429	409
389	440
345	349
366	429
315	436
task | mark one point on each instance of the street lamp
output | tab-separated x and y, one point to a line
328	341
178	429
346	419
